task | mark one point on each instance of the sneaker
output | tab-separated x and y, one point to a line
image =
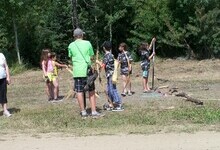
97	115
57	100
123	94
84	115
130	93
7	113
107	107
119	108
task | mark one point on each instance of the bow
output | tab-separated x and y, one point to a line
98	67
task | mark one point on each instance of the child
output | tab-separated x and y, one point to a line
4	81
108	65
125	60
45	54
52	73
144	50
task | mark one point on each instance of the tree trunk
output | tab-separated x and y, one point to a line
75	22
16	42
190	52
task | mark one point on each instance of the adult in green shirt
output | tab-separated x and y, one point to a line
80	51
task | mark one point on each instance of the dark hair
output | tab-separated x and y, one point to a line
144	46
107	45
124	45
53	54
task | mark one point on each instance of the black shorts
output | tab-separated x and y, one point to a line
3	91
79	84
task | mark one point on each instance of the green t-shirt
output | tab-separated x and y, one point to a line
79	61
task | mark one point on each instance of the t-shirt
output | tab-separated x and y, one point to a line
108	60
2	66
123	58
145	62
80	52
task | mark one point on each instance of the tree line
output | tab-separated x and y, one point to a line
187	28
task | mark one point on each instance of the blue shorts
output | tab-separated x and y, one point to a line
79	84
145	74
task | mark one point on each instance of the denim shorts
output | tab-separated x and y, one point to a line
79	84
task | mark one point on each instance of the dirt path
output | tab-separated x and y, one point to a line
168	141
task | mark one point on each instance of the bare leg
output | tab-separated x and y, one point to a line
124	79
56	86
80	100
4	106
144	84
92	99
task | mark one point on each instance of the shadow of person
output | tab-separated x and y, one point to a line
89	111
14	110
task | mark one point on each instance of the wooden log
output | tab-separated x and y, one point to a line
188	98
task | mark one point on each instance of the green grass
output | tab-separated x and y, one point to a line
33	114
65	118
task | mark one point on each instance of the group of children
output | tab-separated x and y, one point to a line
124	59
50	65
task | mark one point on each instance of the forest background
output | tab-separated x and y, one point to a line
186	28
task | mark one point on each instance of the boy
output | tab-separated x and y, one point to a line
144	50
108	64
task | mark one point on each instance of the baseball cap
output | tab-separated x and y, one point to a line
107	45
78	32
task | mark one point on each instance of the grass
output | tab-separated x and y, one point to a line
33	114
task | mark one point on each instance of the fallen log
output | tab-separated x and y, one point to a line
188	98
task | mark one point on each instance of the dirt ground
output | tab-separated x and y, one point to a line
199	79
165	141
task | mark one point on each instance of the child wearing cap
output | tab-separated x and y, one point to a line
108	64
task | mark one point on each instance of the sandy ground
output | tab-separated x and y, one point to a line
169	141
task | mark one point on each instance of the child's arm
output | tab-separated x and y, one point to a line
44	68
151	56
101	64
61	65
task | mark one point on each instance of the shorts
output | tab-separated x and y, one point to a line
52	77
145	74
3	91
79	84
125	72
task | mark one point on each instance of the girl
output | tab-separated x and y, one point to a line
125	60
45	54
144	50
52	73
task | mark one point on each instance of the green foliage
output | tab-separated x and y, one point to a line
17	68
182	27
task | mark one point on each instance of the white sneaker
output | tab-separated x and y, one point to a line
97	115
7	113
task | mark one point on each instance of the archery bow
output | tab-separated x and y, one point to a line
98	68
153	66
